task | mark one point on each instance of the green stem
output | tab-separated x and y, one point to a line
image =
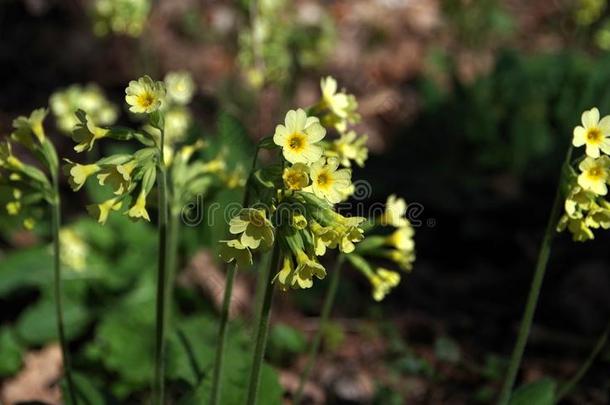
159	383
173	236
59	312
315	346
262	330
226	303
569	386
534	293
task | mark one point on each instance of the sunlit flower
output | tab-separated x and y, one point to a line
138	210
594	133
101	211
144	95
594	174
327	182
335	101
254	228
180	87
395	211
578	228
231	250
296	177
403	258
78	174
299	137
29	223
177	122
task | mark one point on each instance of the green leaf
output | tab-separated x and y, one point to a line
234	136
285	340
541	392
38	325
25	268
10	361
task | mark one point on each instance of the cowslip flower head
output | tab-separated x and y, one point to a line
144	95
234	250
578	228
86	133
296	177
594	174
299	136
328	181
594	133
101	211
395	211
180	87
138	210
78	174
254	227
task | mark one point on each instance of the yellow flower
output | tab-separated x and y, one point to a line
336	102
327	182
402	238
177	122
138	210
144	95
285	274
180	87
404	258
299	137
8	160
306	269
594	133
86	133
395	210
383	282
348	147
299	221
79	173
101	211
254	228
231	250
296	177
90	98
117	176
594	174
578	228
74	250
578	200
29	223
13	207
24	126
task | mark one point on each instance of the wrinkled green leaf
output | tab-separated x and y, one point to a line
10	360
541	392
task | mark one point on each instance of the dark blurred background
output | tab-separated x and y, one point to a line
469	106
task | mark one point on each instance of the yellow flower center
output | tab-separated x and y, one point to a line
594	135
296	142
595	173
324	180
146	99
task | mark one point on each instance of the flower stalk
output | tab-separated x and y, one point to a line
262	330
536	286
226	303
329	300
59	313
569	386
159	382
